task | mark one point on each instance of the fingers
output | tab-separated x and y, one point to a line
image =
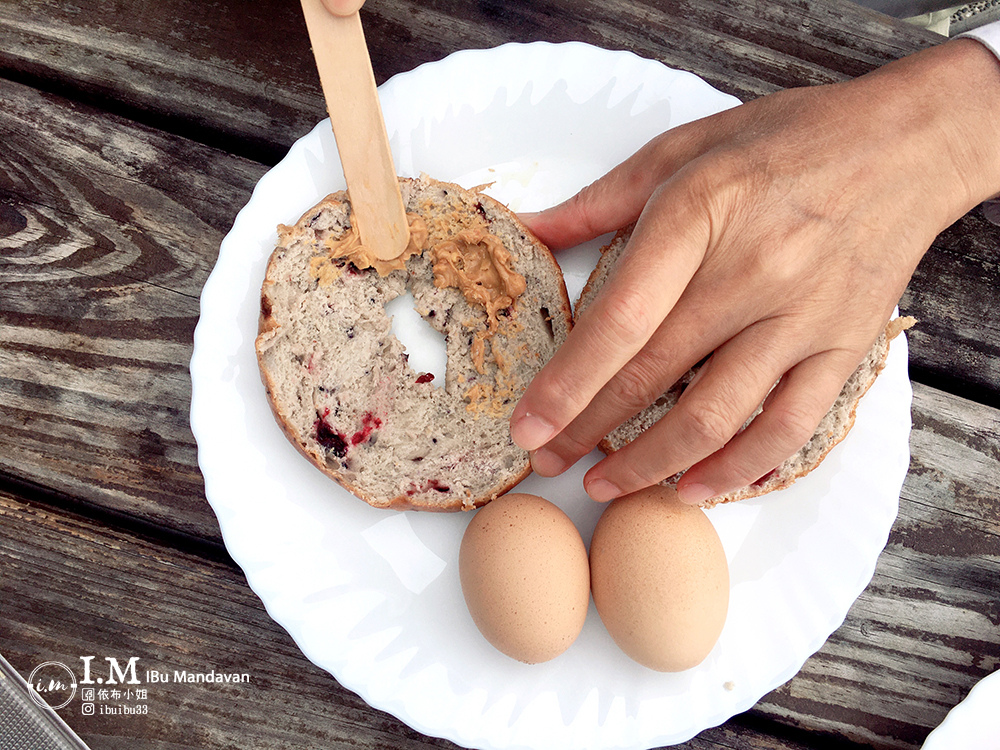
789	420
662	256
632	389
691	331
711	411
644	379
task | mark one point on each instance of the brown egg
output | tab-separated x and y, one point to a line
525	577
660	579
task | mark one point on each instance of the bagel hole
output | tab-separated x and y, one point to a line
425	347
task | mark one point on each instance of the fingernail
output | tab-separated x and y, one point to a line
531	432
693	494
528	215
603	491
546	463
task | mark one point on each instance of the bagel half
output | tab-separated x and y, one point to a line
831	430
338	380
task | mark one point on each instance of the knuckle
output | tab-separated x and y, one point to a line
554	390
635	475
625	320
630	390
725	169
635	387
794	424
721	184
581	206
637	178
710	425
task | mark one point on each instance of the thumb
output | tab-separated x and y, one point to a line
615	200
608	204
343	7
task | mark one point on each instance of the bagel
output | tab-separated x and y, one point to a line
831	430
338	381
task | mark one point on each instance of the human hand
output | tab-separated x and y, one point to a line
776	237
343	7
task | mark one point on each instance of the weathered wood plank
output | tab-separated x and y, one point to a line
108	231
97	314
955	295
232	70
72	588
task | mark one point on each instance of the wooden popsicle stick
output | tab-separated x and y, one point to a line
345	72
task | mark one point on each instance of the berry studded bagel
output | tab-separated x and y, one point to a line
338	380
832	429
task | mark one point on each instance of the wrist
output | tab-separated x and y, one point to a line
953	89
978	69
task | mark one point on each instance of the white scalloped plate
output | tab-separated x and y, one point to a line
373	596
974	724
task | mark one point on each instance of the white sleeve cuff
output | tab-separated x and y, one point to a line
988	34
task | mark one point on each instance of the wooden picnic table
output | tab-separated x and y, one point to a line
131	134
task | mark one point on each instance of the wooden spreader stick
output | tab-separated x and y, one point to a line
345	72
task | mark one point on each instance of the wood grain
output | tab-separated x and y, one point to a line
109	228
100	276
955	296
108	231
240	73
72	588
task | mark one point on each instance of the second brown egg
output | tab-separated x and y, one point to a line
660	579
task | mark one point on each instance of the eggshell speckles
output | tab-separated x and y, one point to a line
660	579
525	577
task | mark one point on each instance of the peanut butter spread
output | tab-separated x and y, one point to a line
493	401
349	246
477	264
465	256
478	351
323	270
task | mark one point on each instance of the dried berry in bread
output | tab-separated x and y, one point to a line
338	380
831	430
